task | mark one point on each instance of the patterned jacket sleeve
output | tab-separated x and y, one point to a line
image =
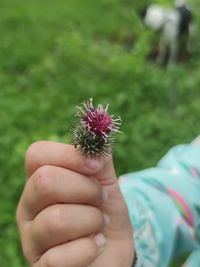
164	207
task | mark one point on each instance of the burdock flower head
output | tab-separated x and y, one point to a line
94	132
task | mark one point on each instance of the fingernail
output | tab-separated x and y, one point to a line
106	219
93	164
104	195
100	240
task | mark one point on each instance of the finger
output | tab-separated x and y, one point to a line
66	156
53	153
50	185
60	223
58	154
78	253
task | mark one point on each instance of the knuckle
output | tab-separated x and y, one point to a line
41	182
27	252
27	245
32	150
18	216
53	220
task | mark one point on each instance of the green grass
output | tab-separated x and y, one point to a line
53	55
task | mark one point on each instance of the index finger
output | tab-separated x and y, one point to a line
58	154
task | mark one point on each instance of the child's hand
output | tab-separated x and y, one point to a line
64	216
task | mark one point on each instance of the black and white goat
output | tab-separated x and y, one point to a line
175	27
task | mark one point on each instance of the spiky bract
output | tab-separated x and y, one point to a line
93	133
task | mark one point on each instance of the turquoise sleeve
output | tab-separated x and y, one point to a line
193	260
164	208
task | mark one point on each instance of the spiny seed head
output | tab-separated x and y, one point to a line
93	133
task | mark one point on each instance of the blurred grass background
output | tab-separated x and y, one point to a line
55	54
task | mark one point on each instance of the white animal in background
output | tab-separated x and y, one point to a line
175	27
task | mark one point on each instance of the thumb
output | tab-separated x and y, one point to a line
119	232
106	175
114	206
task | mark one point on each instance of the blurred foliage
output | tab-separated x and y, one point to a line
55	54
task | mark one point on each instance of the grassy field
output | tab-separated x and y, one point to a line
55	54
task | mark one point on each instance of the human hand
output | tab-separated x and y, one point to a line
63	211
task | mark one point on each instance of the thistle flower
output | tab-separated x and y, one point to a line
94	132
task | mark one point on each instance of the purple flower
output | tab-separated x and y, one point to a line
94	133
